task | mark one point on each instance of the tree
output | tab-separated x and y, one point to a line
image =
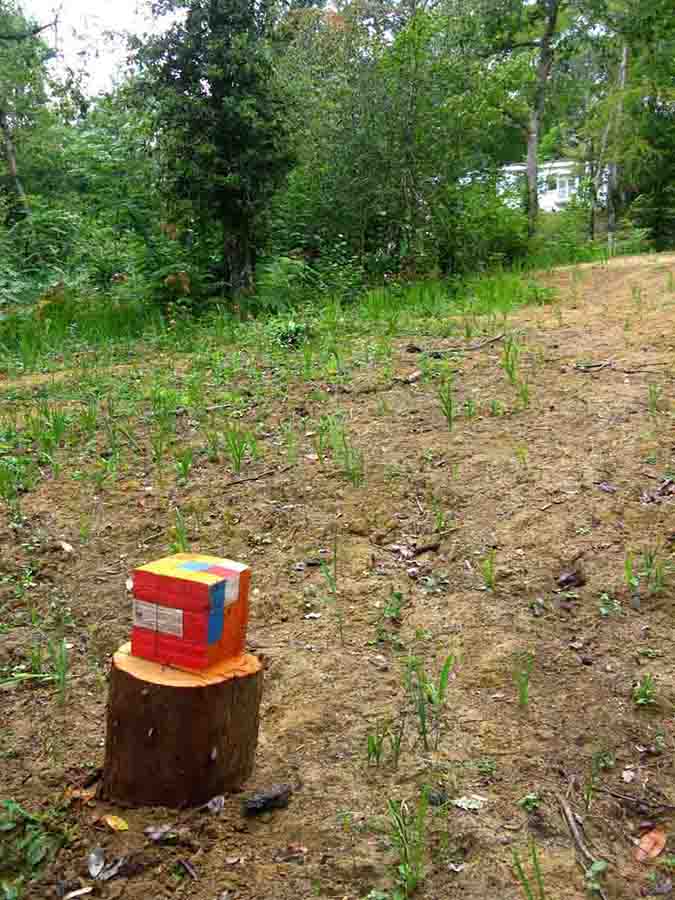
219	120
526	38
23	56
391	119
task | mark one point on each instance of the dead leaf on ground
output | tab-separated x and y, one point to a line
83	794
659	888
216	804
571	579
189	868
651	845
115	823
161	834
470	803
275	797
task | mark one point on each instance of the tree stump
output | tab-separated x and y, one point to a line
177	738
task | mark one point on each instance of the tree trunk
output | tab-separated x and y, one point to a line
614	199
532	173
238	257
177	738
10	156
544	64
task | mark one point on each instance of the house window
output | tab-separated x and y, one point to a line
566	187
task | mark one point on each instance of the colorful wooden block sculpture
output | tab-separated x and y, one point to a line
190	610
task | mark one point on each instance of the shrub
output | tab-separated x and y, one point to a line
476	228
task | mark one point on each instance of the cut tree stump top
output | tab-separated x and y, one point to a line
224	670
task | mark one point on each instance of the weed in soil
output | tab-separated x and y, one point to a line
521	675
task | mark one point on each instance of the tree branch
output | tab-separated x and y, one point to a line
24	35
509	47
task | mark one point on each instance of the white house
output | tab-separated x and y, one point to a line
558	182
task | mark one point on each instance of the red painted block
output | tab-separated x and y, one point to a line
143	643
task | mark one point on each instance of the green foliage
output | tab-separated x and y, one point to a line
284	282
488	569
27	843
521	676
476	229
644	692
408	836
447	401
40	670
345	453
375	745
218	117
180	541
288	332
427	698
237	442
524	879
530	802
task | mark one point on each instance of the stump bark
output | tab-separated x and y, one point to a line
177	738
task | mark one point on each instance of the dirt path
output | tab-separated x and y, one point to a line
573	482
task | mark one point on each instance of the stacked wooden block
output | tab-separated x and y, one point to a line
190	610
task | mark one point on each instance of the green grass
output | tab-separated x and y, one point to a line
533	887
489	570
126	381
41	669
521	676
111	332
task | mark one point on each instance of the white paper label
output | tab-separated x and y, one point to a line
170	621
145	615
158	618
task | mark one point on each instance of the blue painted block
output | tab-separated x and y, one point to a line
215	624
195	566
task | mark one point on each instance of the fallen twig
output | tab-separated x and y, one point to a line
578	838
636	801
485	343
588	367
183	410
467	347
426	548
595	367
230	484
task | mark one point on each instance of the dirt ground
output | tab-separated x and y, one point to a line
571	483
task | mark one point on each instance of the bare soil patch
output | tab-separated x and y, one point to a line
574	482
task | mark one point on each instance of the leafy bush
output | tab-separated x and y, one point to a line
288	332
283	282
28	843
655	212
563	237
286	282
475	228
340	274
49	235
630	238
